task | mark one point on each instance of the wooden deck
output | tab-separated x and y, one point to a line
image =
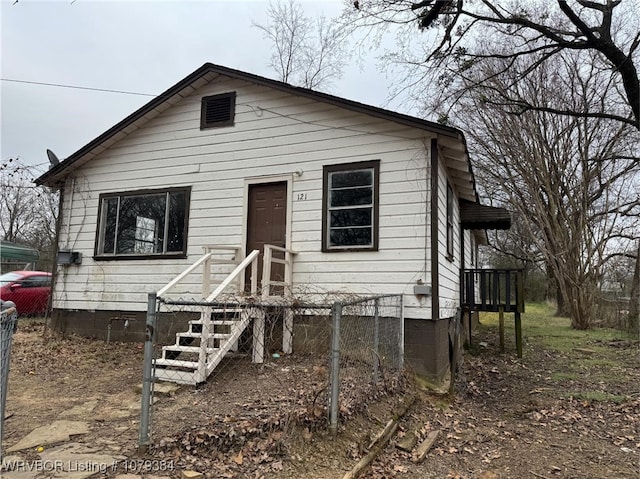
495	290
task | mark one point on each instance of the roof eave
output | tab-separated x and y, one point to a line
56	175
474	216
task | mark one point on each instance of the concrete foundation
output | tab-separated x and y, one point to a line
426	349
127	326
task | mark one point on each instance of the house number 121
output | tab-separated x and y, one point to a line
301	196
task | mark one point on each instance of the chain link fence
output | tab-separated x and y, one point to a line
612	311
367	350
8	323
29	291
309	359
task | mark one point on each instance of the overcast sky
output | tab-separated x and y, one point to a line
143	47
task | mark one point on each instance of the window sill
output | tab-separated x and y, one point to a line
130	257
348	250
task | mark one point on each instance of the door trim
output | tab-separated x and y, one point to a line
288	179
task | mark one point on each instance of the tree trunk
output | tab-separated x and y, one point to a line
561	306
581	307
634	301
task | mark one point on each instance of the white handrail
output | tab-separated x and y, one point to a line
266	269
182	275
251	257
207	259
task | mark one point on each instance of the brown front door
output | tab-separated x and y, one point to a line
267	224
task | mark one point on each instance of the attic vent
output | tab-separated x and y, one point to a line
218	110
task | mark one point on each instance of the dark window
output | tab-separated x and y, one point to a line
449	222
350	207
472	248
144	223
36	282
218	110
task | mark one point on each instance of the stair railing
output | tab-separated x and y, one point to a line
207	329
207	260
287	283
250	260
267	265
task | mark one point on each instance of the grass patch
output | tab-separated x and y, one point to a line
540	326
577	358
560	377
596	363
596	396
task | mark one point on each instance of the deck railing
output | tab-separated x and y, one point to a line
493	290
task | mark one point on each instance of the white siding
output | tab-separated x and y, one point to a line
449	267
275	134
469	249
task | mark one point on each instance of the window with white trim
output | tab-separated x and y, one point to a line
350	209
143	223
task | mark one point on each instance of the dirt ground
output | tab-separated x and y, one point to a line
565	410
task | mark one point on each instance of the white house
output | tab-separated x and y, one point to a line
371	201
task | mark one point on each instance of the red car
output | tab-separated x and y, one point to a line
29	290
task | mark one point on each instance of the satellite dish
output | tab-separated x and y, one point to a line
53	159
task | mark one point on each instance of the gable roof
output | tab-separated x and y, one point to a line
463	179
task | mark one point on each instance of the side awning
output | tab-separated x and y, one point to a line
474	216
12	251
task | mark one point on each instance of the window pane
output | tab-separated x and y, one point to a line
144	224
350	237
151	208
110	218
352	197
145	235
348	179
351	217
177	210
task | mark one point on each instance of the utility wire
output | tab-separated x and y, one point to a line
76	87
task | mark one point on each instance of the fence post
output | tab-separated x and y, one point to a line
501	327
336	313
401	335
518	322
147	374
376	340
8	319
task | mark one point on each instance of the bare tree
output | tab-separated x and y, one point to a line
634	304
513	248
465	33
27	212
306	52
576	179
